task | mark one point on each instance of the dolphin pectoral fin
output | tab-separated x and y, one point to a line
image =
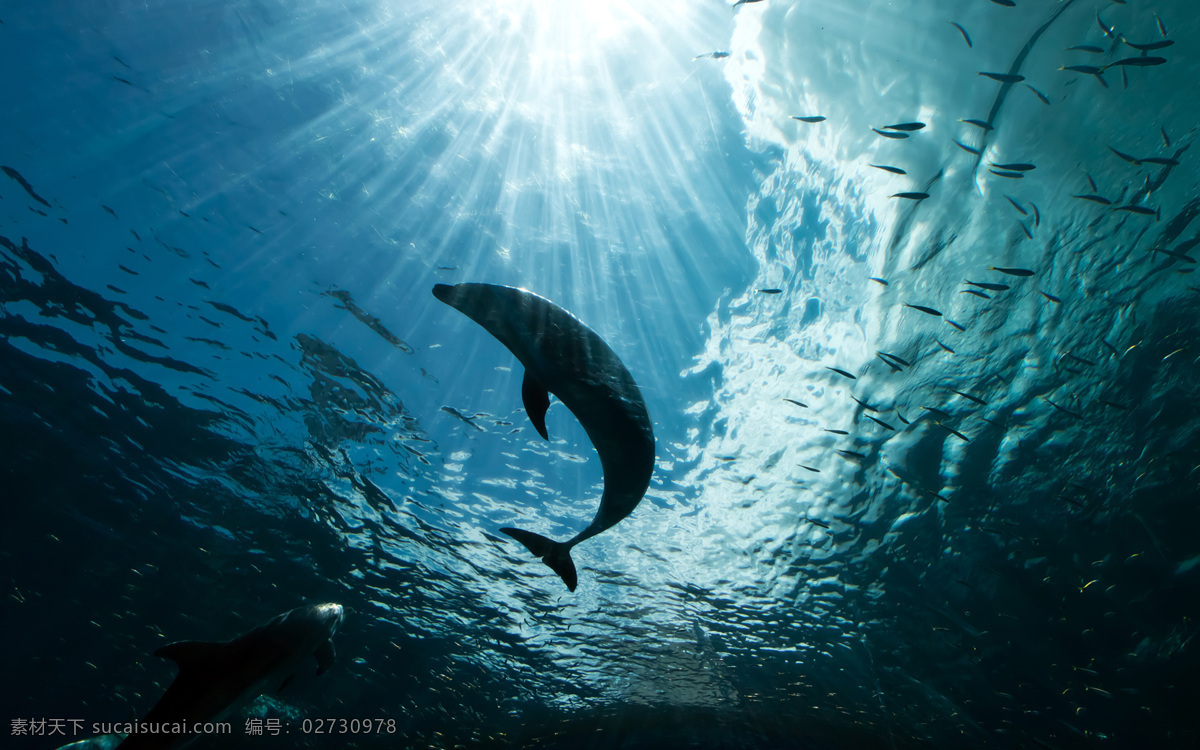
555	554
537	401
324	656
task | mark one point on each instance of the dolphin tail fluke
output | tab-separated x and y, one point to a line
555	554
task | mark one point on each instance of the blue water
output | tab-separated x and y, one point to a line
226	389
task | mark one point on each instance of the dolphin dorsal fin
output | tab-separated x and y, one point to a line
537	401
192	653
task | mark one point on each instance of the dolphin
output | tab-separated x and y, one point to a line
564	357
216	679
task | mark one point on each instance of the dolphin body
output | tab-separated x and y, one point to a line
564	357
216	679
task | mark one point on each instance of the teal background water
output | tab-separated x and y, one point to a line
226	390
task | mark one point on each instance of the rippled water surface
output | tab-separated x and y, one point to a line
922	366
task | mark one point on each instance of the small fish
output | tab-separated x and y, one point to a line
893	356
1009	175
959	326
1124	156
968	149
1095	199
954	432
1025	229
877	280
1086	48
863	404
1137	62
969	397
880	422
911	196
843	373
1162	27
901	418
1037	215
1160	161
1166	138
966	37
1012	271
1092	688
936	412
1149	46
886	168
1114	404
809	118
835	432
895	367
1175	254
989	287
797	403
905	126
1017	206
1018	167
1090	70
1050	297
1142	210
1040	95
802	466
926	310
1003	77
852	454
939	343
770	291
984	126
815	522
1062	409
456	413
976	293
889	134
1109	31
743	2
1006	3
719	54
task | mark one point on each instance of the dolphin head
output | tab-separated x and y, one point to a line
515	316
481	302
328	617
314	623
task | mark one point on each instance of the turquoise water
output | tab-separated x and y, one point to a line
227	389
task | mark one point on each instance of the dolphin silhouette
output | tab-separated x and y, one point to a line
564	357
216	679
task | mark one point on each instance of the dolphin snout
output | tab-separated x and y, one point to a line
331	615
